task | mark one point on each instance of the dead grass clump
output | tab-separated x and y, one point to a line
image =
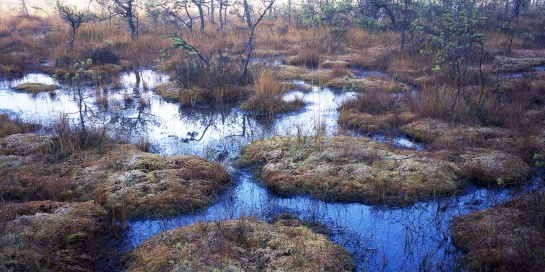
374	111
508	237
245	244
268	95
308	56
375	101
367	123
350	169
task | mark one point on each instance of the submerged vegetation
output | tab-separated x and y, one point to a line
464	78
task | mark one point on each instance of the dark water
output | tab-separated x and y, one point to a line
381	238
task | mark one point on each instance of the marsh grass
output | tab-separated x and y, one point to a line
267	96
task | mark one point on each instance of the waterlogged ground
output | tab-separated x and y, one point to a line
381	238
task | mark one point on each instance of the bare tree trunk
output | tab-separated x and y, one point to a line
212	12
251	26
24	9
221	14
225	13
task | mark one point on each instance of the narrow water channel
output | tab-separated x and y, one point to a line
381	238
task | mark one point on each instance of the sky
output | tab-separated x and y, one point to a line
15	5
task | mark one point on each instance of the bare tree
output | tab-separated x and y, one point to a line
171	12
75	18
127	9
252	26
200	5
24	9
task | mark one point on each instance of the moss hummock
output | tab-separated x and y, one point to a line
487	154
245	244
350	169
36	87
169	91
508	237
46	236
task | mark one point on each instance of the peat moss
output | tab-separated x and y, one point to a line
168	91
350	169
55	236
373	123
508	237
245	244
261	105
9	127
137	184
489	155
36	87
365	84
507	64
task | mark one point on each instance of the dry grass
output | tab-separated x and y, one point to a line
267	97
9	126
245	244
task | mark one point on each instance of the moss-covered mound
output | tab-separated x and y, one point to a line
508	237
138	184
264	104
24	144
51	236
35	87
373	123
173	91
492	167
122	178
350	169
507	64
365	84
169	91
340	78
489	155
246	244
430	130
9	127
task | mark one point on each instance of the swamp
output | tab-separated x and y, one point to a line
272	135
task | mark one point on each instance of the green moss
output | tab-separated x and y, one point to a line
169	91
35	87
350	169
76	238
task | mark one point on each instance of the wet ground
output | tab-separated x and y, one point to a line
381	238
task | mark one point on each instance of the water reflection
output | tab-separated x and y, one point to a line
381	238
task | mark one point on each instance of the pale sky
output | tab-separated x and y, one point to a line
15	5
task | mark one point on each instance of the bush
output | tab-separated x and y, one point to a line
103	55
220	73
